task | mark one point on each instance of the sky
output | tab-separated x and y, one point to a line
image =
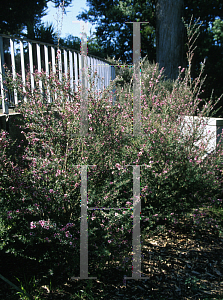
72	11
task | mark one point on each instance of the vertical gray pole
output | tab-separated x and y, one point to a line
136	264
136	80
84	226
84	104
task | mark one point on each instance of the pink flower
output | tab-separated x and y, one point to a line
42	222
58	173
145	188
118	166
32	225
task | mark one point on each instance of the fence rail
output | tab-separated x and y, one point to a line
18	53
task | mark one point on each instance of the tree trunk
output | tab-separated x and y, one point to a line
170	34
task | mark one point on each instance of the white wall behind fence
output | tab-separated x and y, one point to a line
212	127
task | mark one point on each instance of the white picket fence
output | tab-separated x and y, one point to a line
18	54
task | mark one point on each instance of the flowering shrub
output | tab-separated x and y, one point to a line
40	193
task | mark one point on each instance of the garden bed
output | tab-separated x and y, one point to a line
181	264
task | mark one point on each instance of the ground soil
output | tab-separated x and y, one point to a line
178	264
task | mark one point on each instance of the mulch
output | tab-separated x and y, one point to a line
179	264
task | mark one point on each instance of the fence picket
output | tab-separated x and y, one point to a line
53	65
23	68
31	65
13	67
46	59
65	63
94	69
59	55
46	54
98	68
39	66
71	72
65	66
89	64
76	71
53	59
79	61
